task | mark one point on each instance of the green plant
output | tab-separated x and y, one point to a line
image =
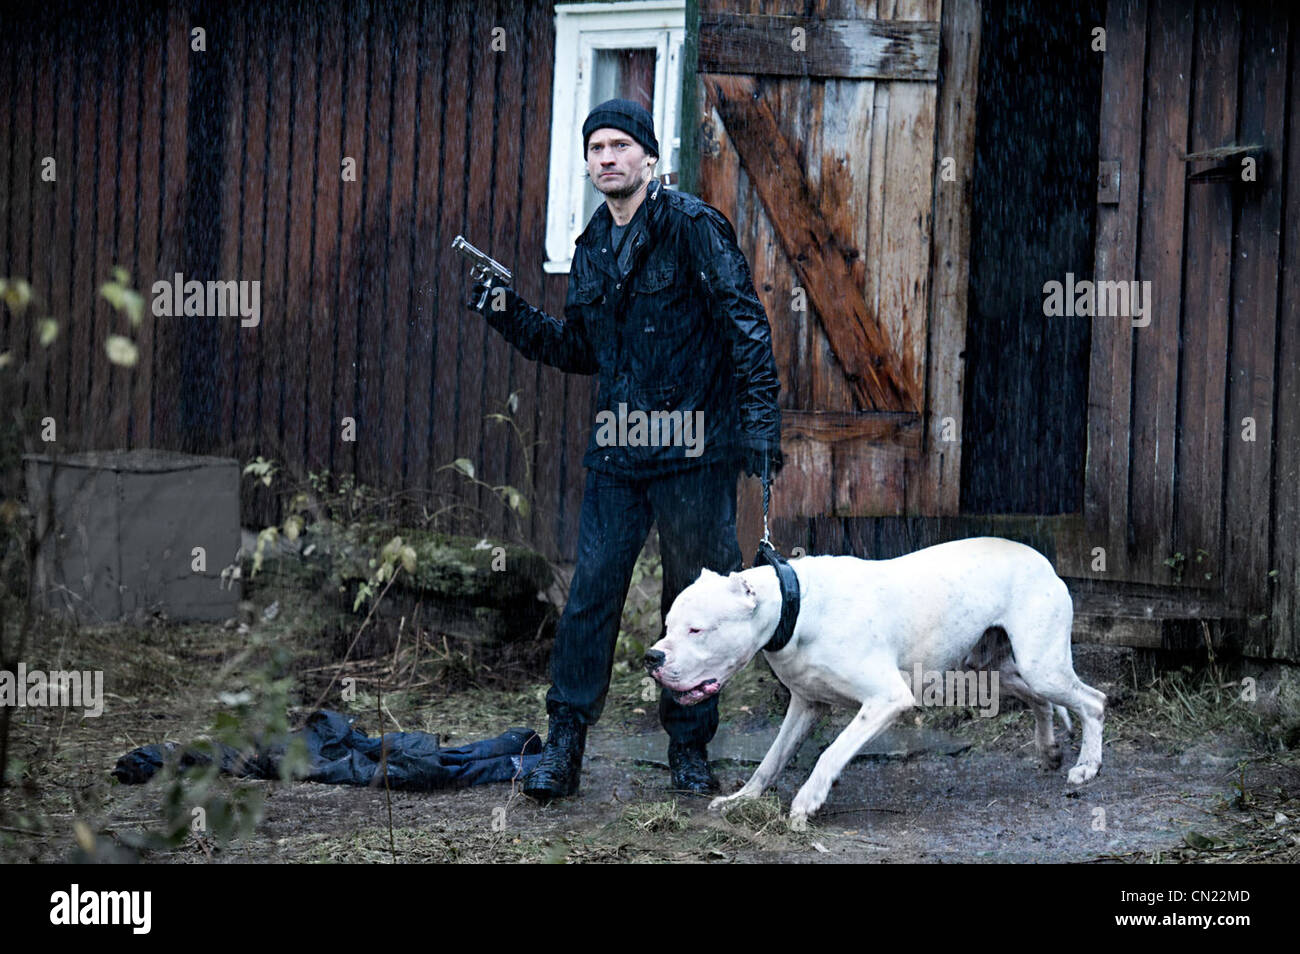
255	703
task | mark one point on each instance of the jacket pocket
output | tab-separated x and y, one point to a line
655	278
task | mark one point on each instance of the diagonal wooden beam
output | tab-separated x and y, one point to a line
855	335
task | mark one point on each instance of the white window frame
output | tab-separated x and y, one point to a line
580	30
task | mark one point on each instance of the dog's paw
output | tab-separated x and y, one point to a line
723	801
1081	773
805	805
798	821
1050	760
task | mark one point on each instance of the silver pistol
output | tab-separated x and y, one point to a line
482	265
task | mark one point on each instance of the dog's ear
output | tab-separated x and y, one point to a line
740	586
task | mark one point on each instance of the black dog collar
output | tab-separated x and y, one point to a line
785	575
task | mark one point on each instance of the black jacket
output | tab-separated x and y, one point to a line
681	330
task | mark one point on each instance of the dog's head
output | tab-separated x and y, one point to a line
714	629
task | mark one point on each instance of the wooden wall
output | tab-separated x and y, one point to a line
226	164
1169	471
827	164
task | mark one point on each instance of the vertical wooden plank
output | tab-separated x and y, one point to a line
297	314
934	481
277	51
877	180
498	440
252	247
810	480
1106	489
839	171
1248	492
538	42
450	279
376	183
343	455
870	478
66	68
253	262
1285	641
721	182
166	429
321	420
148	129
123	87
97	420
423	242
44	200
400	392
25	189
1155	365
909	197
232	191
82	343
1198	503
140	37
128	242
479	210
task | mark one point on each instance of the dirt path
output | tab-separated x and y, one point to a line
1202	789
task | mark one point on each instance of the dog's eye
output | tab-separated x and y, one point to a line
693	630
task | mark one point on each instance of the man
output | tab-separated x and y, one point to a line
662	307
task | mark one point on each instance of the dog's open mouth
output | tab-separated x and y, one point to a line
708	687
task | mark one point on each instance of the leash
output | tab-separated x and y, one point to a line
785	575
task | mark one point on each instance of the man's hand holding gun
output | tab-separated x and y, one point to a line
487	274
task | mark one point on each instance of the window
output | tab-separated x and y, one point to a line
629	50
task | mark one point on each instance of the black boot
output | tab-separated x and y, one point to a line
556	773
690	768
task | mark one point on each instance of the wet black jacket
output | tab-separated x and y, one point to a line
680	330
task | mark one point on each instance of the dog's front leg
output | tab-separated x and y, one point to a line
799	719
873	717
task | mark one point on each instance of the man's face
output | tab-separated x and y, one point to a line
617	164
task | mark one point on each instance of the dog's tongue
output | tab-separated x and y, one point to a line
698	694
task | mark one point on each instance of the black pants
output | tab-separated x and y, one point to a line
695	511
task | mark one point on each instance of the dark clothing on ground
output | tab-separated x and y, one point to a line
338	754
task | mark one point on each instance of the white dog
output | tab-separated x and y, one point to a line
864	627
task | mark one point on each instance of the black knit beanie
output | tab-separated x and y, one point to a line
626	115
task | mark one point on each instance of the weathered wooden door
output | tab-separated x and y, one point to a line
828	143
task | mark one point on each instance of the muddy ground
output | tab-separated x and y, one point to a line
1190	772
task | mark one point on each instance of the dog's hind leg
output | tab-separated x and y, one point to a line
1011	682
799	719
888	697
994	651
1042	652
